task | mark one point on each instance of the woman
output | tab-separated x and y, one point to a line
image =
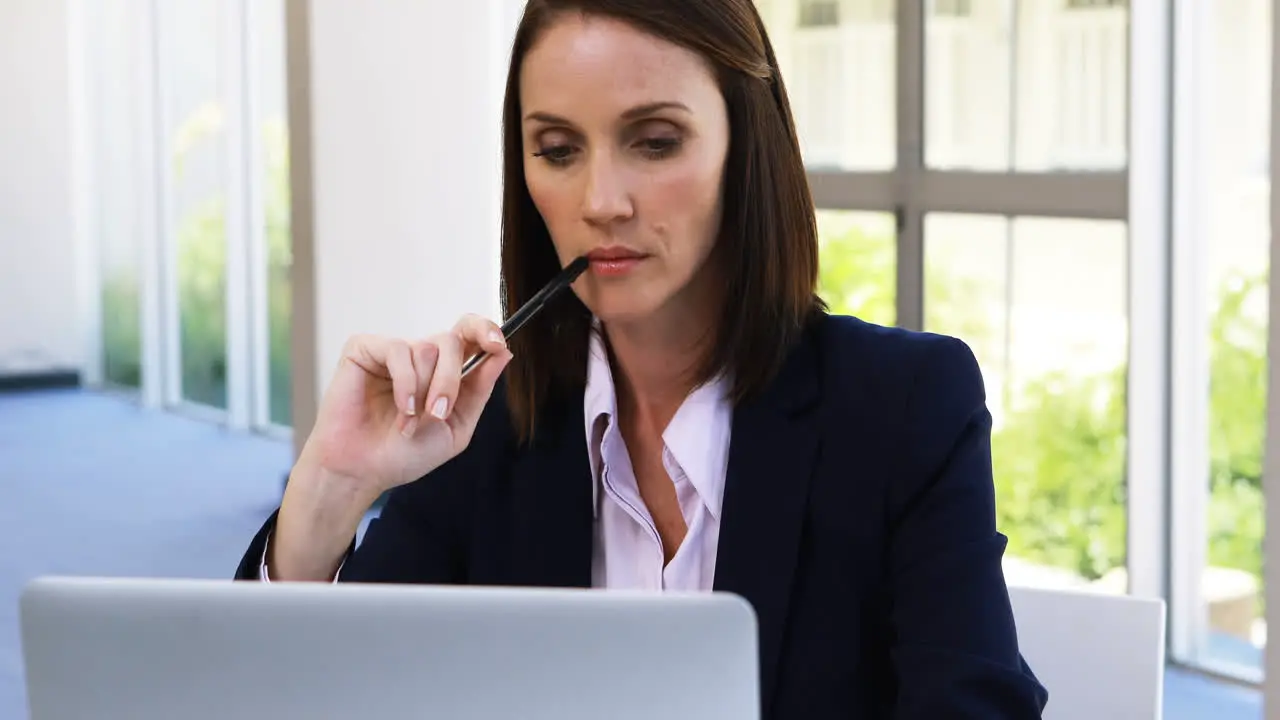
689	417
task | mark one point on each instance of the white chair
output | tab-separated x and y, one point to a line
1100	656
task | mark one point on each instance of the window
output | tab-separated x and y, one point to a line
1042	303
952	8
1096	4
116	191
836	64
272	339
819	13
1227	230
858	263
195	155
193	205
1048	92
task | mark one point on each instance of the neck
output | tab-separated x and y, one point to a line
655	364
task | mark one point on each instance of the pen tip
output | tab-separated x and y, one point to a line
577	266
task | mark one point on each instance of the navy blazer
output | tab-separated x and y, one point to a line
858	520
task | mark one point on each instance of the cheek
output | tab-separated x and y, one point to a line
687	200
553	200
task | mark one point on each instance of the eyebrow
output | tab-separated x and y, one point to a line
635	112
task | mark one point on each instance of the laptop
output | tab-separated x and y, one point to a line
150	649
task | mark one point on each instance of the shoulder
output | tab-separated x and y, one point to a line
892	367
916	401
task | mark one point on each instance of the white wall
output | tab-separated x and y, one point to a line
395	124
39	305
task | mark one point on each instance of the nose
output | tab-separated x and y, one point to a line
606	198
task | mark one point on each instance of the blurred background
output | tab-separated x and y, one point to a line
199	199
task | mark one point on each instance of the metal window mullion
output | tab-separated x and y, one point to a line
232	86
1271	453
161	362
1189	335
85	79
1101	195
259	306
1150	297
839	190
910	168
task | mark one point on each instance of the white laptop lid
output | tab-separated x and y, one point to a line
201	649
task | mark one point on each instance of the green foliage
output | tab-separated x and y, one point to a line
202	303
858	270
121	330
1059	454
201	277
1059	461
1237	402
279	270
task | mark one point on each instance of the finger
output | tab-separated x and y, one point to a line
369	353
424	354
479	334
470	335
377	356
404	377
443	391
476	390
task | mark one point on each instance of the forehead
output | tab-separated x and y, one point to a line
582	62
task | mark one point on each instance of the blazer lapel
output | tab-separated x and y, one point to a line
772	457
551	495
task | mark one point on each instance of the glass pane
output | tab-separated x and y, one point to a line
272	101
859	264
1032	85
1043	304
838	60
1237	249
197	154
110	77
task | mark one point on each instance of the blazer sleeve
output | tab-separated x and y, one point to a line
955	646
423	531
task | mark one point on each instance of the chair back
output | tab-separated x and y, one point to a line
1101	656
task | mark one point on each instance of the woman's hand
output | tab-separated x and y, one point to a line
394	411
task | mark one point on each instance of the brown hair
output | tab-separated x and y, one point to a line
768	238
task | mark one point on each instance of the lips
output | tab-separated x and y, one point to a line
615	261
614	254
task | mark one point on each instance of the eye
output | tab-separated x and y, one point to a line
558	155
657	148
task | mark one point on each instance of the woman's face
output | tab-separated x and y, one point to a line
625	138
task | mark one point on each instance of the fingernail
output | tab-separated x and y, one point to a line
495	336
439	408
410	427
412	406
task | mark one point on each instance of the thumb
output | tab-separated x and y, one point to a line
477	388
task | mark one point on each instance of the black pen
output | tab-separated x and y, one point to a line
533	306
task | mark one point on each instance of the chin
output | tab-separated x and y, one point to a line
619	307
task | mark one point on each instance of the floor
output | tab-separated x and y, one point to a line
91	484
